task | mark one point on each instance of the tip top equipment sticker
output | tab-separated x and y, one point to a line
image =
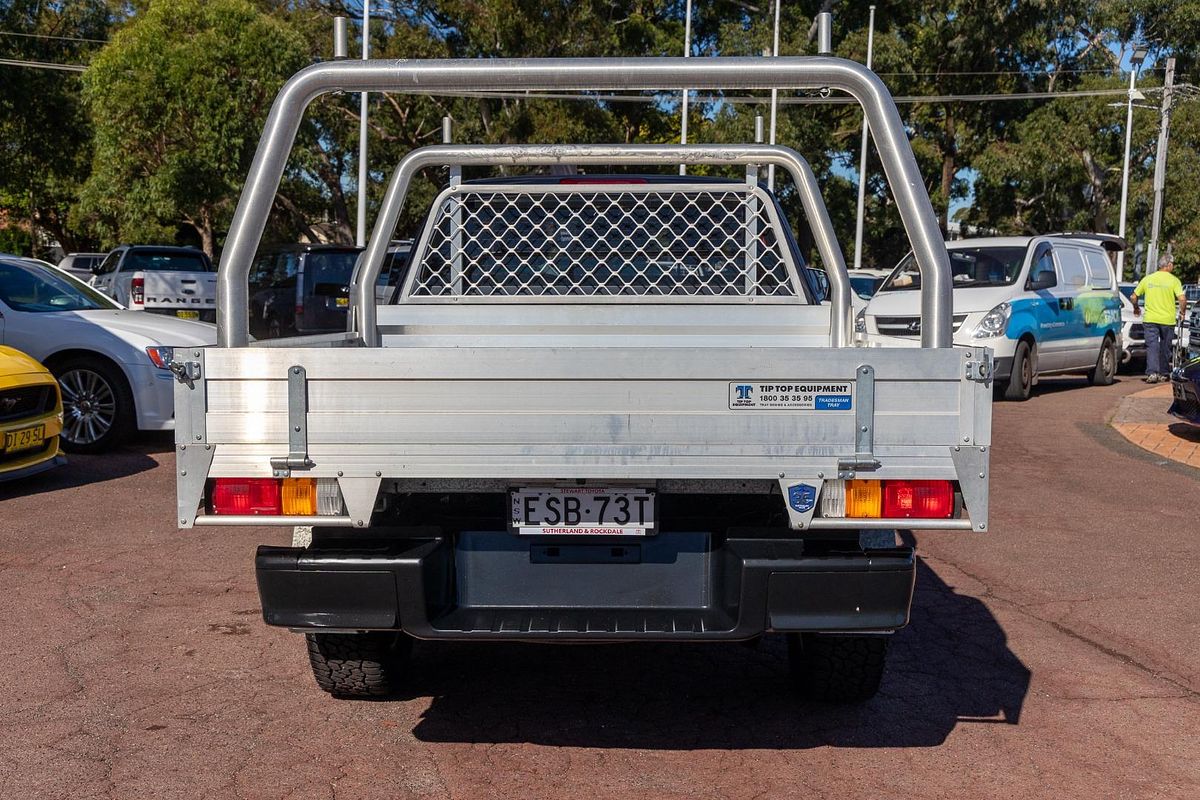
794	396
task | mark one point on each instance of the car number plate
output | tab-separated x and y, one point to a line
342	302
582	511
24	439
188	314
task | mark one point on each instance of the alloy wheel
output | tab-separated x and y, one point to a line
89	406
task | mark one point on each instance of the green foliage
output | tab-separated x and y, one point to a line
45	135
179	95
178	101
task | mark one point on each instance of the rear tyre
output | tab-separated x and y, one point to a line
359	664
1106	364
836	669
1020	382
98	409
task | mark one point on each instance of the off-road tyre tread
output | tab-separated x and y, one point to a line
837	669
358	664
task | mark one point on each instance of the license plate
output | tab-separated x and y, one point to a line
582	511
343	302
24	439
188	314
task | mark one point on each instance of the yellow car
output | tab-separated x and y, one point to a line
31	416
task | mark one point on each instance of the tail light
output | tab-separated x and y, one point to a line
919	499
888	499
299	496
292	497
862	498
137	291
246	496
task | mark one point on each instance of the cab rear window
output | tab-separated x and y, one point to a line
168	262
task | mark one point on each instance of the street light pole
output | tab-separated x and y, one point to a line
862	161
687	52
361	236
774	98
1135	63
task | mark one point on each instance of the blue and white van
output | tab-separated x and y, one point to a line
1044	304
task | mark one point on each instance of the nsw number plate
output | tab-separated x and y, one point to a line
188	314
582	511
24	439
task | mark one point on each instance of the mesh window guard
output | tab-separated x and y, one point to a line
586	242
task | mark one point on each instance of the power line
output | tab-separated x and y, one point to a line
48	36
803	100
11	62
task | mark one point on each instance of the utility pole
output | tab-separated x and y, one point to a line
361	237
862	161
1160	166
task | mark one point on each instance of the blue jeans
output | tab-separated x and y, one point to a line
1158	348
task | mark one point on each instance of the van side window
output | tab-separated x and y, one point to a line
1099	269
1042	262
1070	264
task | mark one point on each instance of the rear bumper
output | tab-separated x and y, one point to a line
748	587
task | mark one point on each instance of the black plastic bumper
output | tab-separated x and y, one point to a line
751	586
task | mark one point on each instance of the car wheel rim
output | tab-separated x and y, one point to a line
1026	372
89	406
1109	360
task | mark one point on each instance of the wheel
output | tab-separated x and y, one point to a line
836	669
359	664
98	410
1106	364
1020	382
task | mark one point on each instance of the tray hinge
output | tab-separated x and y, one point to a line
297	457
864	425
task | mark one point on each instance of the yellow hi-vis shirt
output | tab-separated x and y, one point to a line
1162	291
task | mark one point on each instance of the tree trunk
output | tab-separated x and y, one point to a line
948	170
204	227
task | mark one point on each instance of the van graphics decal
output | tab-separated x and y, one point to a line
826	396
1093	314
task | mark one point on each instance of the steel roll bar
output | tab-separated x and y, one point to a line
419	76
362	291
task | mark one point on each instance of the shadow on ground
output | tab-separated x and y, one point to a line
952	665
131	458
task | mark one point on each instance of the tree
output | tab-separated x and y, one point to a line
178	100
45	135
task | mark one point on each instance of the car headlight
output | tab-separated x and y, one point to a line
994	322
161	356
860	321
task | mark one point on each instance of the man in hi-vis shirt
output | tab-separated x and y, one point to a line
1164	294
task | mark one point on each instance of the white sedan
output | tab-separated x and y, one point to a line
112	364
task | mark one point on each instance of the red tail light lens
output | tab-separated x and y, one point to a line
137	291
918	499
246	496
